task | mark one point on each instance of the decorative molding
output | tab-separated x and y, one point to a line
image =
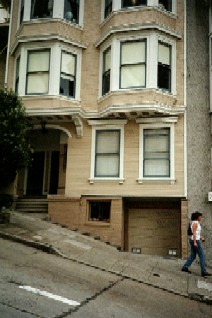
107	122
44	38
138	27
79	125
157	120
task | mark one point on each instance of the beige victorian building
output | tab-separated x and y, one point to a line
104	88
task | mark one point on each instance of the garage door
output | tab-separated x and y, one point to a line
154	231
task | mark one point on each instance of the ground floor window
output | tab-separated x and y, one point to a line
99	211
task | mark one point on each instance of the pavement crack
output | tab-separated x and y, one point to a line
21	310
89	299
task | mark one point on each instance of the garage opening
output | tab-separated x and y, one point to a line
152	226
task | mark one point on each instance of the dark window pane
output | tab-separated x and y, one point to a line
106	83
108	7
166	4
133	3
100	211
164	77
41	9
71	10
67	87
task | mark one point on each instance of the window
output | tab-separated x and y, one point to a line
133	3
17	75
165	4
133	64
37	81
106	71
107	153
99	211
108	7
164	66
22	11
71	10
68	74
156	158
41	9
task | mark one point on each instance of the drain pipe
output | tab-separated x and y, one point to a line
8	47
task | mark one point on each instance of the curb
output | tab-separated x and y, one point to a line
51	250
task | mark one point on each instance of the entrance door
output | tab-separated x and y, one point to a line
35	174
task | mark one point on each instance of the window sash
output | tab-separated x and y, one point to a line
41	9
17	77
107	153
68	74
106	71
156	152
164	66
71	10
108	8
166	4
37	81
133	66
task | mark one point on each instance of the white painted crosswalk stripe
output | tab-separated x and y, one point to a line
50	295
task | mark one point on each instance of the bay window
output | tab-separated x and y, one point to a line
156	158
106	71
133	64
37	79
68	74
164	66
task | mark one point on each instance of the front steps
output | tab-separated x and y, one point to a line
32	205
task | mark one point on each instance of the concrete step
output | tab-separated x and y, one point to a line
32	205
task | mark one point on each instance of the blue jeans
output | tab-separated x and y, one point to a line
194	252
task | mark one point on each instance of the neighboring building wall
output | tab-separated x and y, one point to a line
198	118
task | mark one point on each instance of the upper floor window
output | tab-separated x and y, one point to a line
41	9
17	75
133	3
133	64
164	66
71	10
108	7
106	71
22	11
68	74
165	4
37	79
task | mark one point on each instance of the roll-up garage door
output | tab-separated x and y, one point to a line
154	230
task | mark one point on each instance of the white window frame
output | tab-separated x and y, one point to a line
98	125
154	123
54	70
58	11
172	44
117	6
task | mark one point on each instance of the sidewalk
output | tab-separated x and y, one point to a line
164	273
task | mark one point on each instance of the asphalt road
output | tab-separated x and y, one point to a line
35	284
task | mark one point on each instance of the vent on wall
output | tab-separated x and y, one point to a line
210	196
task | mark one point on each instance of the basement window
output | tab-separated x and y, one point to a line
99	211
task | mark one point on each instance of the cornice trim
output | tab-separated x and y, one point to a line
138	27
